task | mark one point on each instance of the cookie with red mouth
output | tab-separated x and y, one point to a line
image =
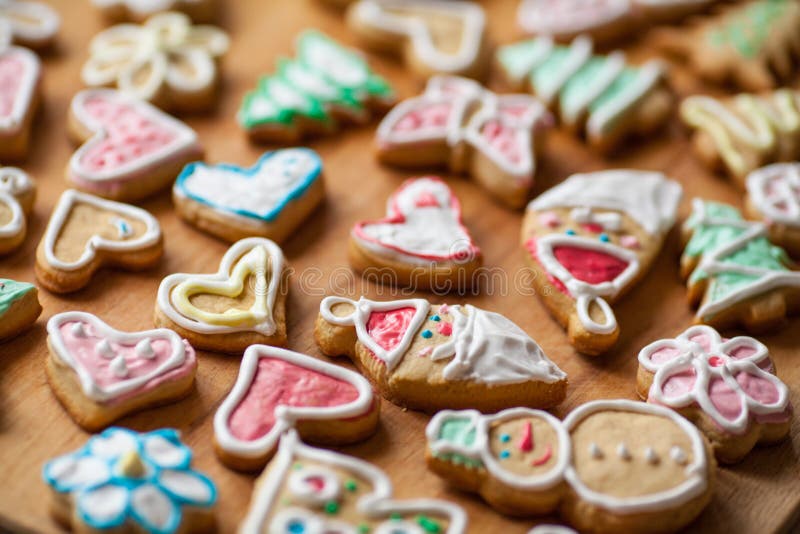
20	73
591	238
422	240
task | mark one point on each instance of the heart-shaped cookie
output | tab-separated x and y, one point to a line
100	374
17	193
240	305
86	232
131	150
269	199
19	94
278	389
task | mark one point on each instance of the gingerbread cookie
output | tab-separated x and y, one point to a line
139	10
130	148
727	387
278	389
458	123
127	482
86	233
20	73
422	239
17	193
600	97
28	23
734	274
327	85
429	357
242	304
611	466
100	374
590	239
313	490
433	37
269	199
773	195
739	134
19	307
166	61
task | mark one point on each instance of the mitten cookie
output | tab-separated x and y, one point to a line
278	389
130	149
139	10
19	307
600	97
100	374
773	195
17	193
127	482
591	238
422	239
429	357
244	303
313	490
270	199
326	86
727	387
458	123
166	61
742	133
28	23
20	73
433	37
611	466
86	233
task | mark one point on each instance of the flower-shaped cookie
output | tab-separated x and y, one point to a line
131	481
166	60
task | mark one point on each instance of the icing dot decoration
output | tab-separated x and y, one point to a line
604	238
351	485
504	455
428	524
651	456
623	452
677	454
332	508
570	232
595	451
446	329
505	438
435	318
427	334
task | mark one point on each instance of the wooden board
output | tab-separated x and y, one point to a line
762	494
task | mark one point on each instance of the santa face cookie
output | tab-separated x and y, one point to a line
166	61
244	303
773	195
313	490
432	37
734	274
727	387
278	389
20	73
611	466
19	307
270	199
100	374
601	97
324	87
28	23
86	233
139	10
127	482
17	193
422	239
739	134
590	239
459	124
430	357
129	149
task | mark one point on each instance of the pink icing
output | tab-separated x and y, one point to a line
388	327
679	383
11	75
503	140
546	455
630	241
280	383
549	219
434	116
724	399
445	328
525	443
590	266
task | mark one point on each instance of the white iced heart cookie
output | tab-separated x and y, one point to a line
20	72
17	194
86	232
29	23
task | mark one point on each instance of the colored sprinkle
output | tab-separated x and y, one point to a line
570	232
427	334
297	466
350	485
505	438
445	328
331	507
395	516
435	318
428	525
363	528
296	527
604	238
526	440
505	454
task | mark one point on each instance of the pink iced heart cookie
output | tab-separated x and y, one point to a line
19	96
422	239
278	389
727	387
101	374
130	149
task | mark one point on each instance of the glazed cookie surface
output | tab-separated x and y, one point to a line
19	307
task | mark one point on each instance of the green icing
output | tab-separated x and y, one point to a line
626	79
575	88
545	72
748	31
517	58
459	431
11	291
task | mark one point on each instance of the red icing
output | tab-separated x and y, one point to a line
526	440
593	227
503	140
432	116
588	265
716	361
541	460
280	383
11	75
426	200
530	246
388	327
445	329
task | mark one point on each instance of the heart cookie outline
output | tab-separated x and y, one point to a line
14	184
25	96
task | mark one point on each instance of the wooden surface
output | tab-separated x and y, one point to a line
762	494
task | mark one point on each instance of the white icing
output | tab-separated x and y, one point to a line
186	485
677	454
114	445
166	453
119	367
17	224
551	529
103	348
610	221
153	507
23	99
651	455
310	494
77	330
144	349
570	17
595	451
623	451
14	181
775	191
71	472
34	23
104	503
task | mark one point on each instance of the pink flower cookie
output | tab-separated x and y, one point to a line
20	73
727	387
17	194
458	123
100	374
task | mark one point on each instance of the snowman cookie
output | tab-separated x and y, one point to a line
19	307
28	23
305	489
773	195
611	466
86	233
20	80
590	239
429	357
139	10
269	199
422	239
278	389
100	374
17	193
242	304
